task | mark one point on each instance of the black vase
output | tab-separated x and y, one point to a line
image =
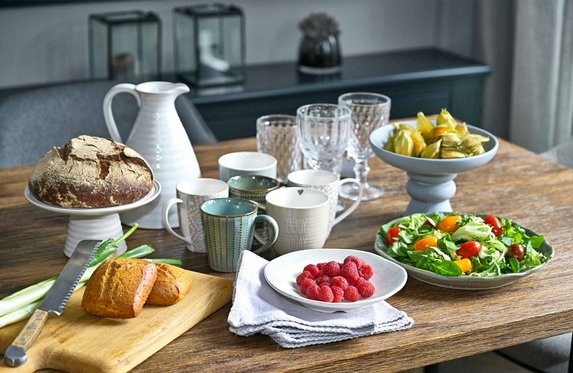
319	56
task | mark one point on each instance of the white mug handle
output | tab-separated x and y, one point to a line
268	220
107	113
352	207
257	236
165	219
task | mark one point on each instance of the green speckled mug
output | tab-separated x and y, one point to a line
229	224
252	187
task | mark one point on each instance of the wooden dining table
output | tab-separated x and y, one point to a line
449	324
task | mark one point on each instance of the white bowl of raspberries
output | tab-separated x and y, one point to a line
331	280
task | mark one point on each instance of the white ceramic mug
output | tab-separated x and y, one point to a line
302	216
190	197
247	163
330	183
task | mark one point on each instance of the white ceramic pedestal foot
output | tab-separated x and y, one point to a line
93	223
93	228
430	193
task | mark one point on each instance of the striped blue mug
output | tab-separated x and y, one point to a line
229	224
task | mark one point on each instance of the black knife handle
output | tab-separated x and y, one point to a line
16	353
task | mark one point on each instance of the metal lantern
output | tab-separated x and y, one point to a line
209	44
125	45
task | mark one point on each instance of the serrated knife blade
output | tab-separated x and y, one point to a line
54	302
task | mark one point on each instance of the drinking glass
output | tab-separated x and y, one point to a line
324	131
369	111
278	135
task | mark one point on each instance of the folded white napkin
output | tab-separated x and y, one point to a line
257	308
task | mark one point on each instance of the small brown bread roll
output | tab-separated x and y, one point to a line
171	285
119	288
91	172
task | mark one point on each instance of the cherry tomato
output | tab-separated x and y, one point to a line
465	264
495	225
516	251
449	224
424	243
469	249
392	235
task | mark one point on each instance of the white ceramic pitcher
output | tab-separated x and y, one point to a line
159	136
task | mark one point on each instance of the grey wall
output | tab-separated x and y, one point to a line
47	44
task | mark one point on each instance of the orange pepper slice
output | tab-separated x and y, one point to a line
424	243
465	264
449	223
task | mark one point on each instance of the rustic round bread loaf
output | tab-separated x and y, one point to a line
91	172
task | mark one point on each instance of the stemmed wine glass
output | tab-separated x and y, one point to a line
369	111
324	130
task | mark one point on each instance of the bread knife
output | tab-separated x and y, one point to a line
54	302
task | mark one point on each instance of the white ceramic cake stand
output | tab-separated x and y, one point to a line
94	223
431	181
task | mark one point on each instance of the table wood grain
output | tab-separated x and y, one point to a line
449	324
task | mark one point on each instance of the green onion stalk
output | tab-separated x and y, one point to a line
22	304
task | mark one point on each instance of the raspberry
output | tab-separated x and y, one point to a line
338	294
359	281
334	282
313	291
349	271
313	270
305	284
351	258
302	276
351	294
366	289
366	271
339	281
331	269
323	280
325	294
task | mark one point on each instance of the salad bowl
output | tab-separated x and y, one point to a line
431	181
463	282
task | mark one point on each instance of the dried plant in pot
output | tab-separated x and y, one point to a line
319	50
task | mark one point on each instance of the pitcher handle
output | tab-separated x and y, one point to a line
107	113
352	207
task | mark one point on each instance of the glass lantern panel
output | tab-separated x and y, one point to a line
210	49
209	44
98	49
233	47
185	44
124	62
149	42
125	45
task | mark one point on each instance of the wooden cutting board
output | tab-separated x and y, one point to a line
77	341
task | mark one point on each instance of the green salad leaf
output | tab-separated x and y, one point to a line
473	230
448	259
